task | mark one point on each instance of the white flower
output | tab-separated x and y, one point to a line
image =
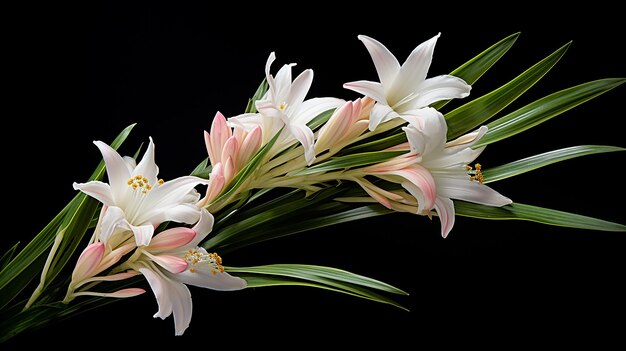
137	200
174	259
284	105
448	163
405	91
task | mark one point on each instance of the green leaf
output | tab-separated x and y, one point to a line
377	144
545	109
8	256
473	69
317	276
258	95
477	111
203	169
517	211
350	161
545	159
320	119
28	263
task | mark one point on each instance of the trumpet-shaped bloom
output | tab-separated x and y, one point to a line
449	165
284	106
404	90
174	259
137	200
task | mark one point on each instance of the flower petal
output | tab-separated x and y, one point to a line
374	90
282	82
445	212
173	264
441	88
313	108
381	113
98	190
305	136
203	227
117	171
246	121
299	88
113	221
413	71
422	179
171	239
386	64
172	297
143	234
211	280
472	191
146	167
185	213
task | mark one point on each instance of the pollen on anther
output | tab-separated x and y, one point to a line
161	181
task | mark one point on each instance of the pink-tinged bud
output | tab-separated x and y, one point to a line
130	292
173	264
116	277
220	132
171	239
229	150
229	170
88	262
239	132
216	184
357	129
251	144
335	128
367	104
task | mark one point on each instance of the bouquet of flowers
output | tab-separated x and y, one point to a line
288	165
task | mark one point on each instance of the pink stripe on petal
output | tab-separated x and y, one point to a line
171	263
130	292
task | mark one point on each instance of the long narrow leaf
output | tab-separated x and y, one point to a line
258	95
545	109
536	214
473	69
350	161
8	255
545	159
477	111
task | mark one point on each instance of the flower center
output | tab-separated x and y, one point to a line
212	260
475	173
140	182
282	106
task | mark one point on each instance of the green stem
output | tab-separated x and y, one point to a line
44	272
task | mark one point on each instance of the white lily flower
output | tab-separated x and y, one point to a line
448	163
137	200
174	259
283	106
404	90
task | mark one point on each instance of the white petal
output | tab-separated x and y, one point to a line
206	279
185	213
374	90
143	234
130	163
268	76
299	88
381	113
247	121
172	297
413	71
312	108
146	167
168	195
304	135
283	84
445	212
203	227
441	88
386	64
98	190
468	139
467	190
117	171
113	221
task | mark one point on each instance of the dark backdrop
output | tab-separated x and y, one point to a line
77	75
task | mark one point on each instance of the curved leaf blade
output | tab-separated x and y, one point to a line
474	113
545	109
517	211
533	162
473	69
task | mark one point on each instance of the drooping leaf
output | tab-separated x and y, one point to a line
545	109
545	159
535	214
473	69
479	110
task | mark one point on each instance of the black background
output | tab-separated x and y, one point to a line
73	75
